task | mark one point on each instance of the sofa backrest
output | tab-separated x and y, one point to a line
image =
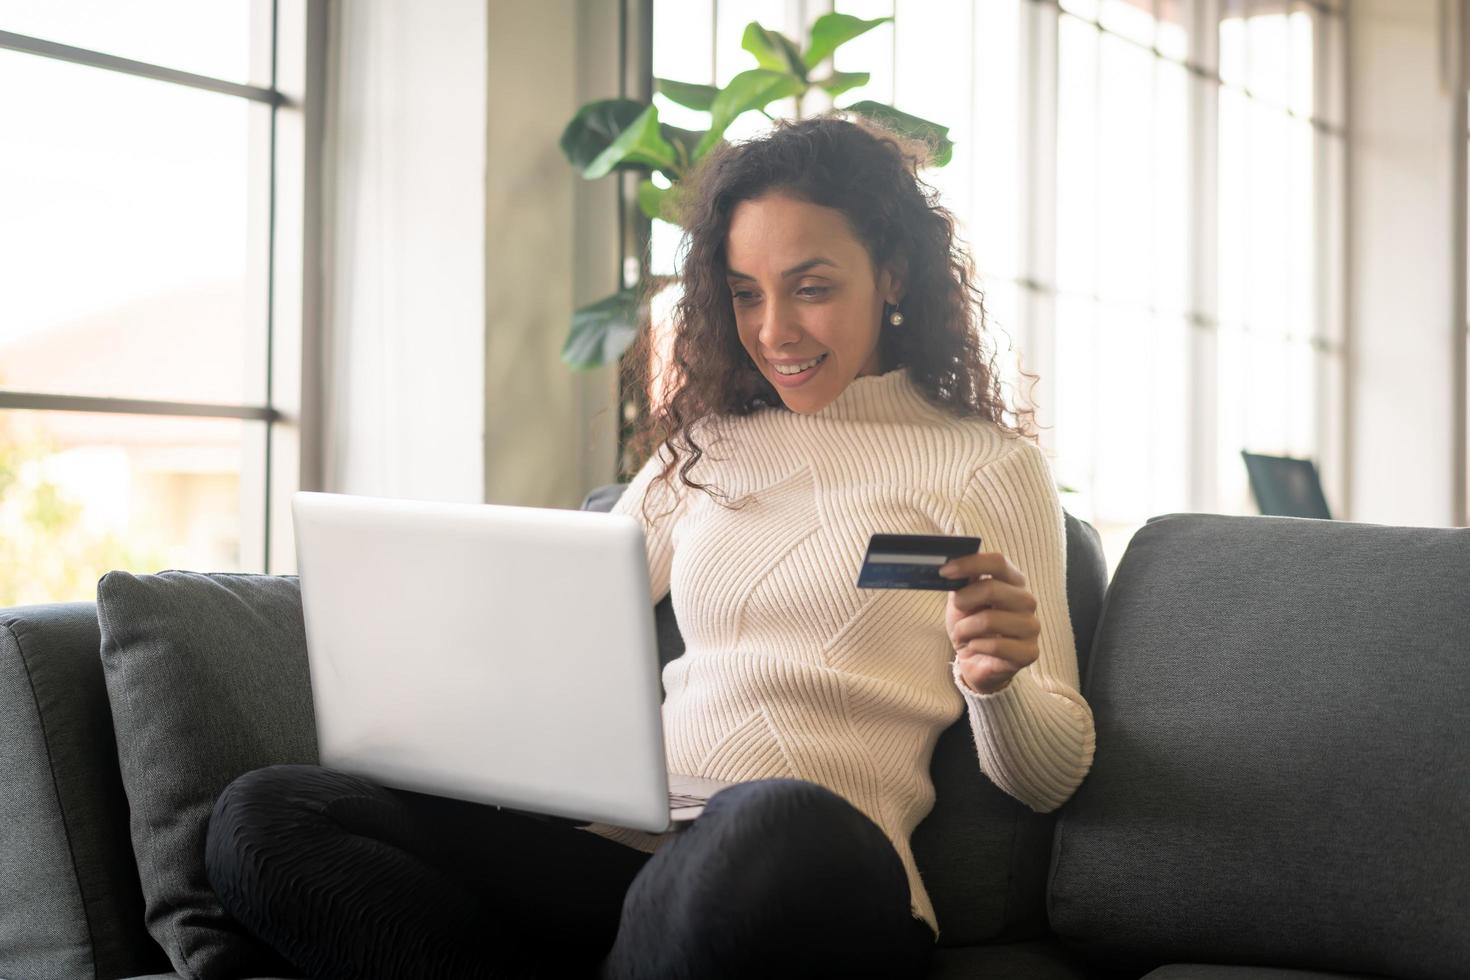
983	854
1282	772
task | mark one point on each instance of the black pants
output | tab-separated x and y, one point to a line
777	877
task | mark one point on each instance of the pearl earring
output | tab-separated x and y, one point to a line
895	318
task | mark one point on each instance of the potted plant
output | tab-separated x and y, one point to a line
617	135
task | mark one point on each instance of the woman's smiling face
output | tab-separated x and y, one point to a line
802	287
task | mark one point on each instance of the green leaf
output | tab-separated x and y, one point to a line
662	203
687	94
773	50
831	31
594	128
841	81
650	197
641	144
684	141
602	331
935	135
754	89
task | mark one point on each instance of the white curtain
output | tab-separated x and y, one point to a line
404	250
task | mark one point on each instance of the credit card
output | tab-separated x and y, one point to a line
911	561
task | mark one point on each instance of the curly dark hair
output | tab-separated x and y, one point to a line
870	174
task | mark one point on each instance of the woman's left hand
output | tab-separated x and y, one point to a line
991	621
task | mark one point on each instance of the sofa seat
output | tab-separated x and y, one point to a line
1044	960
1212	971
1040	959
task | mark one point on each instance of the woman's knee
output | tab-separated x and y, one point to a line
246	792
781	798
296	783
806	816
771	866
270	807
791	824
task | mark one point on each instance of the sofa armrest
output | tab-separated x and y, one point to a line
70	900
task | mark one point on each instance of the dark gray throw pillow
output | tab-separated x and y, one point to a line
207	678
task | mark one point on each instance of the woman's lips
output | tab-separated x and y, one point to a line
793	380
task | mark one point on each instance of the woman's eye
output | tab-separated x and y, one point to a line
813	290
740	296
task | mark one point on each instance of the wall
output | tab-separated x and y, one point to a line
1405	465
550	431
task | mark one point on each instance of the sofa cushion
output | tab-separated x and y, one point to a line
1209	971
1282	774
207	677
983	855
175	976
70	902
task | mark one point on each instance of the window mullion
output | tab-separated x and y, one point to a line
1460	342
1328	283
1203	262
110	62
1037	229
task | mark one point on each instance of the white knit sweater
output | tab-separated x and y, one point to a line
791	670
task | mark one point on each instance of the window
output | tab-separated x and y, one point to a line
1153	191
1200	153
146	419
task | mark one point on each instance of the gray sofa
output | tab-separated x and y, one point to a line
1281	787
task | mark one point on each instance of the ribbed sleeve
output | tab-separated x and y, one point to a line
1035	737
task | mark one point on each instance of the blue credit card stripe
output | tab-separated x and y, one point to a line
900	559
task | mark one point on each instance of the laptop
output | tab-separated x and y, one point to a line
1285	486
486	652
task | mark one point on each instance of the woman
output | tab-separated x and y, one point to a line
827	339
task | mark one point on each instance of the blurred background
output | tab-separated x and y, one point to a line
249	247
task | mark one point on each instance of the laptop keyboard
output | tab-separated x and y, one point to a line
680	799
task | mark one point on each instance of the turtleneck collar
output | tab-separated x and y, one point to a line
887	397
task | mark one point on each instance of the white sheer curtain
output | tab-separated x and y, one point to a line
404	242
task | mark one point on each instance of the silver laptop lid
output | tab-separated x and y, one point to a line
485	652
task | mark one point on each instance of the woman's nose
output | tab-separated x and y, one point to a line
777	329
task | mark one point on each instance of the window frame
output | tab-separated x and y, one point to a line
1038	287
291	188
1035	282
